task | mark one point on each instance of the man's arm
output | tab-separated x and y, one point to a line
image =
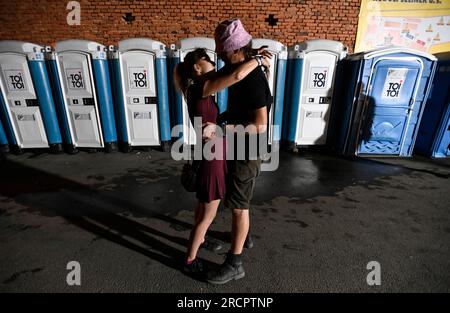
261	120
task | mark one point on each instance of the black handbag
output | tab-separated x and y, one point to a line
189	175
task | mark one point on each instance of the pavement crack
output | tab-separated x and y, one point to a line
18	274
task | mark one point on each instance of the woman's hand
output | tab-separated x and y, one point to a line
209	131
265	56
265	53
265	62
260	50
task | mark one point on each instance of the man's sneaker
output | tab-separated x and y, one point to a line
211	245
248	242
195	267
226	272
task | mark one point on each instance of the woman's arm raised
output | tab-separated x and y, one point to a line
220	82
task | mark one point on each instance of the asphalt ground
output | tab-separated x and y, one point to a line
317	222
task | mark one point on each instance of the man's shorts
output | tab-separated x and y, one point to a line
241	183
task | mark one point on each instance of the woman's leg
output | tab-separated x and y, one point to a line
198	215
199	231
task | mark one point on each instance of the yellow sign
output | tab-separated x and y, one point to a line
419	24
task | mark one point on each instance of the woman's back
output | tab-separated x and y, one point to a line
206	108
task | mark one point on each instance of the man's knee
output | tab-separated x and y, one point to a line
240	213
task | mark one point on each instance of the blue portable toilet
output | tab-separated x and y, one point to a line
141	93
385	91
3	140
309	92
434	132
276	79
27	108
180	115
82	84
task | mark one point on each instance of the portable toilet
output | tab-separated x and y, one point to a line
3	140
27	108
180	115
276	79
385	91
434	131
309	92
82	83
141	91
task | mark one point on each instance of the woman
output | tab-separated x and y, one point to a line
197	79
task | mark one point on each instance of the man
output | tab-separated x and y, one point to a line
248	106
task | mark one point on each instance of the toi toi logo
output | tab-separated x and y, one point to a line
319	79
393	90
76	80
140	80
17	81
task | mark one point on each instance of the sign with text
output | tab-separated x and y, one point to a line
421	25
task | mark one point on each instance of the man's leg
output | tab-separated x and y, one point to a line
232	268
239	231
239	194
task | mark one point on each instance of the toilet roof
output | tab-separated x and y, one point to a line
19	46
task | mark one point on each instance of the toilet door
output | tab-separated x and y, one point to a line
21	101
315	102
140	97
76	74
388	106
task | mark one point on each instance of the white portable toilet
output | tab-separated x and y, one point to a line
26	101
311	78
180	114
140	85
81	78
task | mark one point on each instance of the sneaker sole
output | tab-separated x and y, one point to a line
226	281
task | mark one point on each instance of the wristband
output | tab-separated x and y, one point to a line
259	60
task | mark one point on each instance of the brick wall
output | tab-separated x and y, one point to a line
44	21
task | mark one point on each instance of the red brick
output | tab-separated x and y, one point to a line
171	20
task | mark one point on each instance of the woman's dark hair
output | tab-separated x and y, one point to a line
184	71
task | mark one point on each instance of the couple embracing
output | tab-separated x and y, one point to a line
231	177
